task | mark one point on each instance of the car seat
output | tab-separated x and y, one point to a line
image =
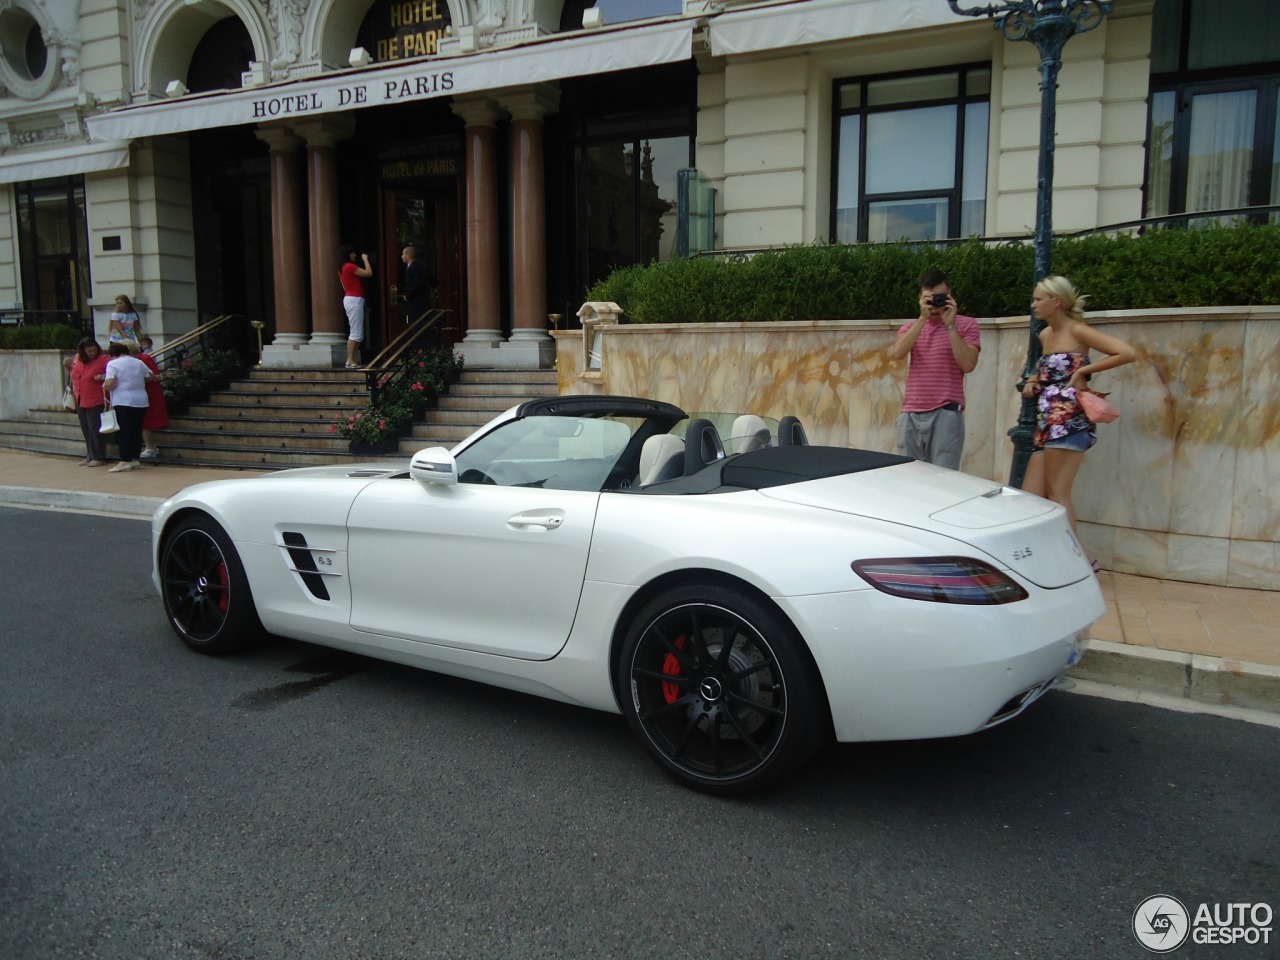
661	458
749	433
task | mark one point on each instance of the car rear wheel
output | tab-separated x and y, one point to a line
720	689
205	591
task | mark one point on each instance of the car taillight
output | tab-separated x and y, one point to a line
940	579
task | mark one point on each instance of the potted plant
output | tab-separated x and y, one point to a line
374	429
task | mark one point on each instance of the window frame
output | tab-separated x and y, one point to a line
960	103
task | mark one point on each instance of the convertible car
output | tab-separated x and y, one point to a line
738	594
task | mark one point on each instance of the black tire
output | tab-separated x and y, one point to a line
725	718
204	588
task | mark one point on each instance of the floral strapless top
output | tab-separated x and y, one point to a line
1058	412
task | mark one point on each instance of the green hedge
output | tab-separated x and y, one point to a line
1166	268
46	336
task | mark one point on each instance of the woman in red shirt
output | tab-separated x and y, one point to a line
87	371
352	278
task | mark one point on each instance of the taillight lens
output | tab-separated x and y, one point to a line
940	579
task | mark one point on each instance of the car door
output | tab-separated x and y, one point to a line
497	569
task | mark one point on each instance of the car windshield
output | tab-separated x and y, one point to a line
560	453
591	453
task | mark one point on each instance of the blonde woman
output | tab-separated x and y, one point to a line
1063	432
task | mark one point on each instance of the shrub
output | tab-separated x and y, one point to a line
1164	268
44	336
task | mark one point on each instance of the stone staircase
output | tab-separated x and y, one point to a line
281	418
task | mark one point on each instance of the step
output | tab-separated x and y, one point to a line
236	411
447	434
473	375
204	439
250	458
521	390
290	398
489	405
234	426
306	375
297	388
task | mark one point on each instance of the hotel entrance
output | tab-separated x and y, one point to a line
418	205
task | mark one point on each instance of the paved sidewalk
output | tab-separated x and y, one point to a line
1218	646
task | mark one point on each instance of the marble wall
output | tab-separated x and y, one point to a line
1185	485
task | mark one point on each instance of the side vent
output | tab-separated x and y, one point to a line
304	565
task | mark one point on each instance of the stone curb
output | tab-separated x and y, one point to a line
1191	676
116	503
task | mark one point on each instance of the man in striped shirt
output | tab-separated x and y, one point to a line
943	347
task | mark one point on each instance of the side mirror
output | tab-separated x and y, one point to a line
434	465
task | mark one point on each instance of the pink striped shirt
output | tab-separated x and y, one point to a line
933	376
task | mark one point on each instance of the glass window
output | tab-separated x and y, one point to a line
620	11
1224	33
630	201
1211	140
1275	166
52	249
912	163
911	150
1160	154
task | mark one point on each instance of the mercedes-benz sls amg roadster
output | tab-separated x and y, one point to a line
738	594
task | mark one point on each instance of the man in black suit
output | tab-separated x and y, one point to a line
418	284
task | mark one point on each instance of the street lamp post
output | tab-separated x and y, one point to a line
1049	24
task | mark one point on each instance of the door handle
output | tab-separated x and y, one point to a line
548	522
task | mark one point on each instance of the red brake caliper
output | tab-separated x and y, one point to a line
225	582
671	667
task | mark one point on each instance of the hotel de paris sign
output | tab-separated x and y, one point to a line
401	82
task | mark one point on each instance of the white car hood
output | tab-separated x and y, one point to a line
1018	531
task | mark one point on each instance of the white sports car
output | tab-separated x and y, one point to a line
736	605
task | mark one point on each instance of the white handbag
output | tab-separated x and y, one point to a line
109	422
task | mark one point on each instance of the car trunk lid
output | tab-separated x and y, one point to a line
1020	532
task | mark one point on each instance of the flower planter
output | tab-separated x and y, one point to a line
374	448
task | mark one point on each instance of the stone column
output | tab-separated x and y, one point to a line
328	321
530	346
484	317
288	255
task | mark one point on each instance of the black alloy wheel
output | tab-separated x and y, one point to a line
204	588
720	689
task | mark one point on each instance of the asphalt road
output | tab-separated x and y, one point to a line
298	803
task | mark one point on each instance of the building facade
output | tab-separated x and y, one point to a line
210	157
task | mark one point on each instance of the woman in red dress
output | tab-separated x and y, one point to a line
157	415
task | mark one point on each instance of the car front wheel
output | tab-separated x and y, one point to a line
205	591
720	689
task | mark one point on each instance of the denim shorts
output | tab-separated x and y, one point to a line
1079	442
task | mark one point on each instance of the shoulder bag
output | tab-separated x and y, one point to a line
1097	407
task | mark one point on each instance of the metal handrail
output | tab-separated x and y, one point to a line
376	370
181	346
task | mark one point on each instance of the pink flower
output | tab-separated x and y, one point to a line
382	424
333	428
422	364
417	386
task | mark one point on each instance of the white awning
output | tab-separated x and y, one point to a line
799	25
538	62
63	161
